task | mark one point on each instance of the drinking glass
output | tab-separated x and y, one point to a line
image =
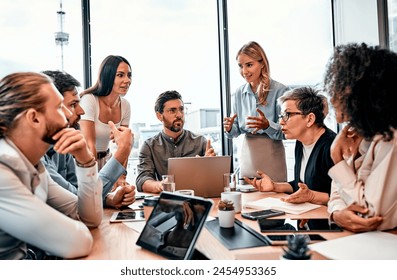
229	182
168	183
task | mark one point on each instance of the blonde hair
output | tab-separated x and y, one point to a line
255	51
19	92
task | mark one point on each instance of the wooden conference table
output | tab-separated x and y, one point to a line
116	241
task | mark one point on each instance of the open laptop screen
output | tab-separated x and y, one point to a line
204	175
174	225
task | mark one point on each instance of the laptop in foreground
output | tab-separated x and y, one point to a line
174	225
204	175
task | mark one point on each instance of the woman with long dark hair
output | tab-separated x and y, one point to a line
104	102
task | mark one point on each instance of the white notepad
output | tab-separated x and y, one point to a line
277	204
374	245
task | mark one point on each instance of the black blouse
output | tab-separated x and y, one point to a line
316	173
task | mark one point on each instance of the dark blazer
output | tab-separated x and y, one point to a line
316	173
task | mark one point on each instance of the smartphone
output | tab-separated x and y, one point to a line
282	239
262	214
127	216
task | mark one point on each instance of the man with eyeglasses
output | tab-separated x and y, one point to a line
302	118
172	141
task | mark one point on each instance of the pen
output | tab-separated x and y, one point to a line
251	178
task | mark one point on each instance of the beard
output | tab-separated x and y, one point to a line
173	126
75	124
51	130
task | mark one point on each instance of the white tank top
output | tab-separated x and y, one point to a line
307	150
90	104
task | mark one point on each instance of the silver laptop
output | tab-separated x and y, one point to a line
204	175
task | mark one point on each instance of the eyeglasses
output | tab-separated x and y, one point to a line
286	115
173	111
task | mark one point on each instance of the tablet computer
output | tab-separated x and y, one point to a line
289	225
174	225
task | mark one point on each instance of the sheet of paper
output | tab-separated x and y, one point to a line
374	245
277	204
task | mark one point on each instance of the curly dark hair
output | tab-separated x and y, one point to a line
361	82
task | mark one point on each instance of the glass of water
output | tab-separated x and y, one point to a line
229	182
168	183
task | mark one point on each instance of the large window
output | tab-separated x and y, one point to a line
171	45
28	37
356	25
297	39
392	17
296	36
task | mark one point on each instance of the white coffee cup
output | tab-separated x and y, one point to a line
235	197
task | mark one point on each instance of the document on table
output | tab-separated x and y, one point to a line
374	245
277	204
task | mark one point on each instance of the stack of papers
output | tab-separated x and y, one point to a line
374	245
277	204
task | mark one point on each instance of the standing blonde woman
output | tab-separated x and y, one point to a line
255	114
104	102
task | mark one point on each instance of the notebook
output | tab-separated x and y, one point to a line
174	225
204	175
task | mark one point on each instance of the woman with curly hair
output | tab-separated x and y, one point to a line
255	114
361	82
